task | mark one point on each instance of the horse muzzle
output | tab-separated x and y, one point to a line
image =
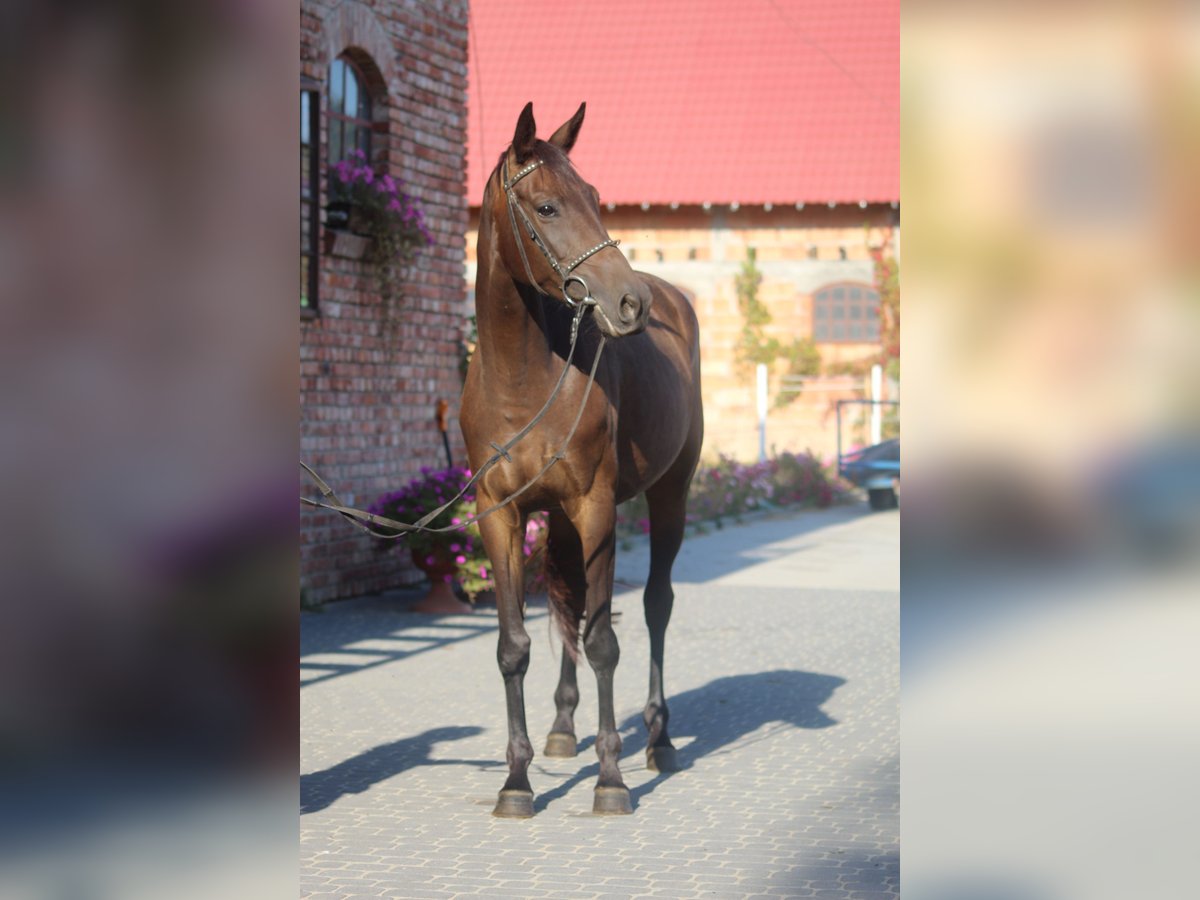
627	316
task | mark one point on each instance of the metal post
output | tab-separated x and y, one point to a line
762	412
839	437
876	412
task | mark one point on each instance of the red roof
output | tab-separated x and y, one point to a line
689	101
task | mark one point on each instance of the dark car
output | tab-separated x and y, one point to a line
876	468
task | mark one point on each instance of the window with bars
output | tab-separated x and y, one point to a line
846	313
310	140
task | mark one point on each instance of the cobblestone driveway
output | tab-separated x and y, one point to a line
782	676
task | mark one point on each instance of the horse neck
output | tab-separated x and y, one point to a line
512	329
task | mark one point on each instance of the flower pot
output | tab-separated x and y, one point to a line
345	244
439	567
337	215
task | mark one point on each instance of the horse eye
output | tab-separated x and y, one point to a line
546	211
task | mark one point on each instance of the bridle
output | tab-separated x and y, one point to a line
564	271
370	522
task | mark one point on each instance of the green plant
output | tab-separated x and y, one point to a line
754	347
475	571
887	285
727	489
423	495
381	209
433	489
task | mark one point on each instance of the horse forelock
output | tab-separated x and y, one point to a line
551	156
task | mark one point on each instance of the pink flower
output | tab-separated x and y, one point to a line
460	559
483	571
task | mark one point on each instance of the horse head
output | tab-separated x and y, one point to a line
556	241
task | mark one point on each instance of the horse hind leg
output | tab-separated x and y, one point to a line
668	516
566	586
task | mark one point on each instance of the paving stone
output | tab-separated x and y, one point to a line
782	679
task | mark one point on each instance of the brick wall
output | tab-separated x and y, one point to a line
370	377
799	250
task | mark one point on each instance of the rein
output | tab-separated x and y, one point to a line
369	522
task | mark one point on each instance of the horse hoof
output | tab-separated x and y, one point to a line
661	759
514	805
560	745
612	801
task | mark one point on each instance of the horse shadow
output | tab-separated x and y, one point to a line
358	773
719	717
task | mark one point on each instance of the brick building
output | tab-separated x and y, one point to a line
389	78
714	127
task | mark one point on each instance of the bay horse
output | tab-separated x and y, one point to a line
639	431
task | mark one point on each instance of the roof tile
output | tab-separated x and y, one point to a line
778	101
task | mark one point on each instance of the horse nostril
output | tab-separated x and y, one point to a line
630	308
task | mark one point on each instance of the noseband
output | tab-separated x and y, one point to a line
564	271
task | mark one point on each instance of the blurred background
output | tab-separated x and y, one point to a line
148	710
1052	519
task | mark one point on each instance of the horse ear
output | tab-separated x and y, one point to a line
525	136
565	137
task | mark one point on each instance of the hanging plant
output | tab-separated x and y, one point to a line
379	208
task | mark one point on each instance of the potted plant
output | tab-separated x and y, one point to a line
438	555
454	555
377	208
475	570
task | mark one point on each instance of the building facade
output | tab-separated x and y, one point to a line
388	79
818	282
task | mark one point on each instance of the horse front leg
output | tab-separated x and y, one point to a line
595	521
502	538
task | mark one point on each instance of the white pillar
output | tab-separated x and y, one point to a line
762	411
876	409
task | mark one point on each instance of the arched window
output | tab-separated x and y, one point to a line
350	122
846	313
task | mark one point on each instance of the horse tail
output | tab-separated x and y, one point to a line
565	601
